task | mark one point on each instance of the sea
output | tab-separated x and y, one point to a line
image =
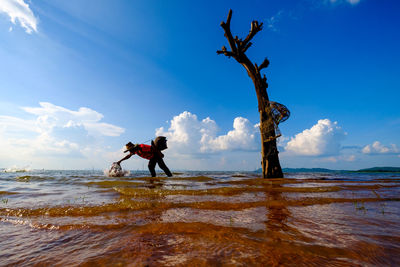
85	218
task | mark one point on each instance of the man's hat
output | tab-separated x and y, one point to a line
129	146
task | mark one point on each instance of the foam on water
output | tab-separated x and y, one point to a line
116	171
17	169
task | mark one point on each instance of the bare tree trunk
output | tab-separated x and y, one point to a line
271	167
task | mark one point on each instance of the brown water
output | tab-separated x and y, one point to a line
199	219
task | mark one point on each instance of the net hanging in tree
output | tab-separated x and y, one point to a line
279	113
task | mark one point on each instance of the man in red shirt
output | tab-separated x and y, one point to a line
152	153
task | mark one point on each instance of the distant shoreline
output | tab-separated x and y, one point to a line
368	170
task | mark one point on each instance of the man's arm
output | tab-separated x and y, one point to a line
125	158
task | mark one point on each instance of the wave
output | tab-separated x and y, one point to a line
17	169
109	173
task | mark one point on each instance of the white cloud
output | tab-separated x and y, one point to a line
351	2
272	21
50	116
378	148
19	11
189	135
323	138
334	159
54	131
10	123
244	136
186	132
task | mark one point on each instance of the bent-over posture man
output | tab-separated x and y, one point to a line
152	153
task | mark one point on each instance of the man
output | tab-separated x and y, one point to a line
152	153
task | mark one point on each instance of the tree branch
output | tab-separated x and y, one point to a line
239	47
255	28
227	28
225	52
264	80
263	65
244	49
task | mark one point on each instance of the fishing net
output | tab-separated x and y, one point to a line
116	171
279	113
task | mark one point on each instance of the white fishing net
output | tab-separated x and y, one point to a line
116	171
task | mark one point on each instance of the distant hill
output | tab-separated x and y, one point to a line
374	169
308	170
304	170
381	169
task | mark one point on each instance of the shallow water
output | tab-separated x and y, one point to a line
208	218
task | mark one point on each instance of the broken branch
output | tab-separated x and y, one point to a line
227	28
263	65
255	28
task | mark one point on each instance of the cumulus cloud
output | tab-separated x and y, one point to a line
242	137
54	131
189	135
50	116
378	148
324	138
19	11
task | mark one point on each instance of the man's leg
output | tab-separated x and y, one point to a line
152	166
164	167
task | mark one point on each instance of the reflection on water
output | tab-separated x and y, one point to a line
199	219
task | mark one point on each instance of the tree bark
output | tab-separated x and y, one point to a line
271	167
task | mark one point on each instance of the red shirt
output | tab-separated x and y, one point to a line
145	151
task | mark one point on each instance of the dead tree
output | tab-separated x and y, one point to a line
271	167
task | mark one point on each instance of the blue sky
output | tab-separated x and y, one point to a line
79	79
